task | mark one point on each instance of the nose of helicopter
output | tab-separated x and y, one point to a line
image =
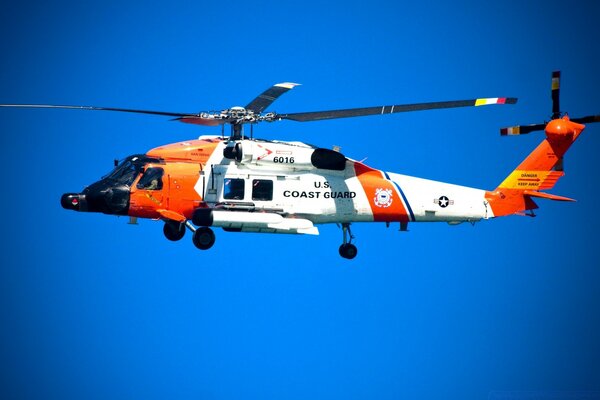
73	201
101	197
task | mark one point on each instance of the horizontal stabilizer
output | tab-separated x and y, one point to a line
542	195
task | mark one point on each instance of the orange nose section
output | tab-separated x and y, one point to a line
562	127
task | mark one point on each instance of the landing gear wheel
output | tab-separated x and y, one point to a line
174	231
348	251
204	238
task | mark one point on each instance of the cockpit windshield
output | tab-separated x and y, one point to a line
129	168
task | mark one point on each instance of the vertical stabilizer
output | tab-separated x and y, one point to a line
539	171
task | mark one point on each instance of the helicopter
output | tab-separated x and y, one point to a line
243	184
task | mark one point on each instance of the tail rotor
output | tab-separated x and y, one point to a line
556	113
544	166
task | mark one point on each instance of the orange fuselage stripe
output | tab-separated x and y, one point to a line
377	188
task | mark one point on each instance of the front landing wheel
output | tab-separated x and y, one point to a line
348	251
204	238
174	231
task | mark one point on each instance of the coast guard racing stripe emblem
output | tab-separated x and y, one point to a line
383	198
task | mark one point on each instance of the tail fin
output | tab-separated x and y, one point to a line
539	171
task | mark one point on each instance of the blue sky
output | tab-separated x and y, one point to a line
91	307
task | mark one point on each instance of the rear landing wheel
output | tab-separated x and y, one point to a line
348	251
174	231
204	238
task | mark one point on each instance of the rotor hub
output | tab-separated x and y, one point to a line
562	127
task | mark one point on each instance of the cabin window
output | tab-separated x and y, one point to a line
151	180
233	189
262	189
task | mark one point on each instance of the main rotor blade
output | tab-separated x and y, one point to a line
208	120
267	97
190	118
359	112
93	108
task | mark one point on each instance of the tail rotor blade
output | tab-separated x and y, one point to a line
521	129
587	120
555	94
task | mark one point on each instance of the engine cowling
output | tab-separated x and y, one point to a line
284	155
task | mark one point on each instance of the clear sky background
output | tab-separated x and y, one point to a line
94	308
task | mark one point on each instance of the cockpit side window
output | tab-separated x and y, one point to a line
152	179
262	189
124	173
128	170
233	189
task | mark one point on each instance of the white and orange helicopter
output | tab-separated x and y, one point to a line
243	184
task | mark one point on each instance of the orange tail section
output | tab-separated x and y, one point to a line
539	171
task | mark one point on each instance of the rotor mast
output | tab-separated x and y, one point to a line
237	131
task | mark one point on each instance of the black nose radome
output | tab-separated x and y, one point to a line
105	196
73	201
